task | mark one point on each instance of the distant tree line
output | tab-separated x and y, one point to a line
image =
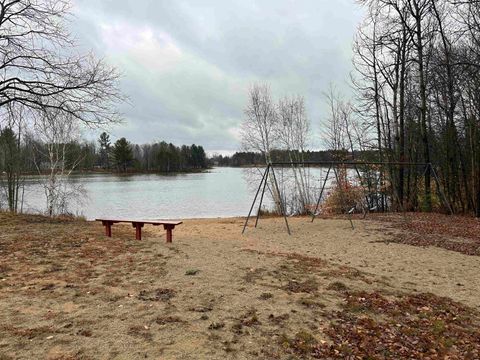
120	156
156	157
251	158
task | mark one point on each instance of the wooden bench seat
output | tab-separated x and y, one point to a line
138	225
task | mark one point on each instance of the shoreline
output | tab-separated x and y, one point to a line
132	172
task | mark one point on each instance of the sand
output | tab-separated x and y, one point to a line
68	292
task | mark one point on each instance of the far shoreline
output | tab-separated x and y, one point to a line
121	173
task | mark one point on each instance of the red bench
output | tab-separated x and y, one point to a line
138	225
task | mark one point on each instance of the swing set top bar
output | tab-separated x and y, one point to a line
297	163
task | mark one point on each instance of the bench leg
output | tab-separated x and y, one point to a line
138	230
108	228
169	229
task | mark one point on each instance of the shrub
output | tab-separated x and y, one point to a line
343	196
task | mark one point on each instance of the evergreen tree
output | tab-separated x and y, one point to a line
105	147
198	157
122	153
10	164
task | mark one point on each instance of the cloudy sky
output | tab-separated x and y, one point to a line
187	64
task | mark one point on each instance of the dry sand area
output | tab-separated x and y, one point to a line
326	291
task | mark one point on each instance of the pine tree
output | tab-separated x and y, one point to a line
122	153
105	147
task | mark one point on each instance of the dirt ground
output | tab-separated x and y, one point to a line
326	291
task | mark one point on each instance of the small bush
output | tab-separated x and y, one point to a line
342	198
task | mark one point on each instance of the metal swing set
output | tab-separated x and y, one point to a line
332	166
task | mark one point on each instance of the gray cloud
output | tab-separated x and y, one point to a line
187	65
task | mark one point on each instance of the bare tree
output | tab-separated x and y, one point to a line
41	69
292	133
259	123
293	127
416	63
258	130
55	132
335	126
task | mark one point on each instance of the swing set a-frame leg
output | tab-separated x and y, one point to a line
366	197
261	197
264	178
442	194
282	207
314	215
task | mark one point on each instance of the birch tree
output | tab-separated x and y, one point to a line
259	123
292	132
54	131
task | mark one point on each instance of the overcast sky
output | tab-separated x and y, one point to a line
187	65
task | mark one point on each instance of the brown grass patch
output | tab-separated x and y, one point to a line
29	333
140	331
308	286
156	295
337	286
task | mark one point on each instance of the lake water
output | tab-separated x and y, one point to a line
220	192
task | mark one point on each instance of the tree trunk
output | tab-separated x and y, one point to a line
423	107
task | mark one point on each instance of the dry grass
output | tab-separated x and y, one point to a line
68	292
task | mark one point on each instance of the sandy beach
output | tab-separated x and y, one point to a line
68	292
